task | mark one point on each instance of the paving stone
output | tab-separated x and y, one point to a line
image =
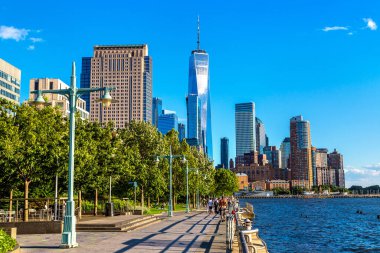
194	232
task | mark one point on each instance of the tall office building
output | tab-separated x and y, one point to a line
245	128
10	82
260	136
167	121
128	68
198	99
85	79
181	131
300	152
58	100
156	110
285	152
224	152
273	156
321	171
335	162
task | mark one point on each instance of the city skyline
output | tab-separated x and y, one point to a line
296	63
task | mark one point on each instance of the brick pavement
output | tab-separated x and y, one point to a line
194	232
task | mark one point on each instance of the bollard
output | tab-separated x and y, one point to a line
248	224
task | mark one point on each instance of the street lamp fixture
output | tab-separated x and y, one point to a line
72	93
106	99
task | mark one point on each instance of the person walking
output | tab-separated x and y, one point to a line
223	207
216	206
210	205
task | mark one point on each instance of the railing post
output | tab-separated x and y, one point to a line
230	231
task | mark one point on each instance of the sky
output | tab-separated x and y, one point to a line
315	58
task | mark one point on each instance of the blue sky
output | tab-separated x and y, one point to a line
315	58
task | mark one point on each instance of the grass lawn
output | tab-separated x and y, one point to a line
178	208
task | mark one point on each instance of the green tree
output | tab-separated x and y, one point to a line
144	138
226	182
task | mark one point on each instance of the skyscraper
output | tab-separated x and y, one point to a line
224	152
285	152
85	79
273	156
245	128
260	136
167	121
128	68
10	81
321	171
156	110
198	99
181	131
335	161
300	152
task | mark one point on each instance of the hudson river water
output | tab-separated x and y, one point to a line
318	225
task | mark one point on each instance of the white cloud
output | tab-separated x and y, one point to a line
370	23
350	33
35	40
335	28
13	33
31	47
364	176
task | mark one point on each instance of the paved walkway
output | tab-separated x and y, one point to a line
194	232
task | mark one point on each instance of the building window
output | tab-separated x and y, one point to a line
35	85
51	85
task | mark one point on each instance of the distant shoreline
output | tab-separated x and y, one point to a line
315	196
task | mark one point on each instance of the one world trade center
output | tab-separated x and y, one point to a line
198	101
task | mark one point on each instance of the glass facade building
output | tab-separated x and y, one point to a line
198	101
85	79
245	128
224	152
260	136
156	110
167	121
285	152
181	131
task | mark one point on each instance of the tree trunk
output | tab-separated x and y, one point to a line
158	200
79	205
142	200
194	200
10	200
148	201
26	196
96	203
174	201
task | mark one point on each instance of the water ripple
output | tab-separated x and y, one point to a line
318	225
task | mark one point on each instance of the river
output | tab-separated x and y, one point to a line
318	225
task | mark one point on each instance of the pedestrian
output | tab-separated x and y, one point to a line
210	205
216	206
223	207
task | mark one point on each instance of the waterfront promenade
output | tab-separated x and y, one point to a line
194	232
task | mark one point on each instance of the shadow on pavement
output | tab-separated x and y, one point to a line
134	242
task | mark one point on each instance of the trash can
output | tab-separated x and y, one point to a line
109	209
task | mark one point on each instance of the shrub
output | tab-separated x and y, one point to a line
7	243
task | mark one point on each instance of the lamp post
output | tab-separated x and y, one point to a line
72	93
170	158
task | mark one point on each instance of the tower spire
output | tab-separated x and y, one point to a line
199	34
